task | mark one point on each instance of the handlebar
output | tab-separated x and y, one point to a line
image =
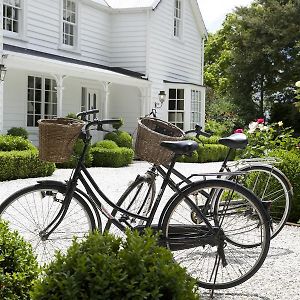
95	122
198	130
83	114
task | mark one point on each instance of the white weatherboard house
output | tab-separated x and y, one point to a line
64	56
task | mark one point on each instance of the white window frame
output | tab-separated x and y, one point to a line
72	23
196	102
176	107
32	97
177	19
21	32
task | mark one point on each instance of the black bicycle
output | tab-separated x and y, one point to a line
216	249
259	175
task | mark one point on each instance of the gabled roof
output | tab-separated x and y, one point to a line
119	4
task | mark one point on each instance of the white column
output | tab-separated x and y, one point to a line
59	88
106	100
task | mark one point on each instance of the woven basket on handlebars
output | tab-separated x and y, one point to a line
150	133
57	138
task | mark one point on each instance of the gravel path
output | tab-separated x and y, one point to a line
278	278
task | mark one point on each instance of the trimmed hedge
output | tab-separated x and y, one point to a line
20	159
121	138
18	265
290	166
23	164
18	131
108	267
107	144
10	143
209	150
118	157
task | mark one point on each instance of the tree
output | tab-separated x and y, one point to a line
257	53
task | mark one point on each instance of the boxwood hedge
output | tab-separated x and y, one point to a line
109	267
18	265
20	159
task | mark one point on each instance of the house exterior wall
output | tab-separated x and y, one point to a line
175	59
128	40
139	40
42	31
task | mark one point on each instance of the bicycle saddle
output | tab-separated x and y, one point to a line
180	147
235	141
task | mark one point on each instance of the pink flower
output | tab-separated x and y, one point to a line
260	121
239	130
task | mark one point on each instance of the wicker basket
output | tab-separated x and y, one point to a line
57	138
150	133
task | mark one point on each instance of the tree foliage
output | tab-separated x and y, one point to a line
255	58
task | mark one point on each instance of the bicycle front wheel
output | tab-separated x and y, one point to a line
272	187
31	209
211	257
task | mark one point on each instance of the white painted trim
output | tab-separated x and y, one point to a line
22	34
40	64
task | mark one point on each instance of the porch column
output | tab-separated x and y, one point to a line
59	88
145	101
106	99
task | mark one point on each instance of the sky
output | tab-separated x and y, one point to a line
214	11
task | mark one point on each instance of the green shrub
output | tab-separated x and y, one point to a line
23	164
107	267
77	150
118	125
212	152
107	144
122	138
290	166
189	158
10	143
18	265
18	131
115	158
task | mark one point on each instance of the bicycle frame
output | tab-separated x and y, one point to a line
82	175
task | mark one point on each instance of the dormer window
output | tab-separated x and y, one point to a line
178	18
12	15
69	34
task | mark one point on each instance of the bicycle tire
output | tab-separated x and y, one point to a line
31	209
273	188
204	262
138	198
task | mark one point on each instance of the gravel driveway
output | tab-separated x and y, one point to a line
278	278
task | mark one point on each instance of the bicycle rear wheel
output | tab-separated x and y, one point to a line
214	260
272	187
31	209
137	199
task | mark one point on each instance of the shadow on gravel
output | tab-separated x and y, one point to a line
232	296
277	251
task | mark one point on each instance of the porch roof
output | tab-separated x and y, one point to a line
55	66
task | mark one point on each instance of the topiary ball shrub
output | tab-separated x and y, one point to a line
122	138
18	131
77	150
115	158
18	265
107	144
108	267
